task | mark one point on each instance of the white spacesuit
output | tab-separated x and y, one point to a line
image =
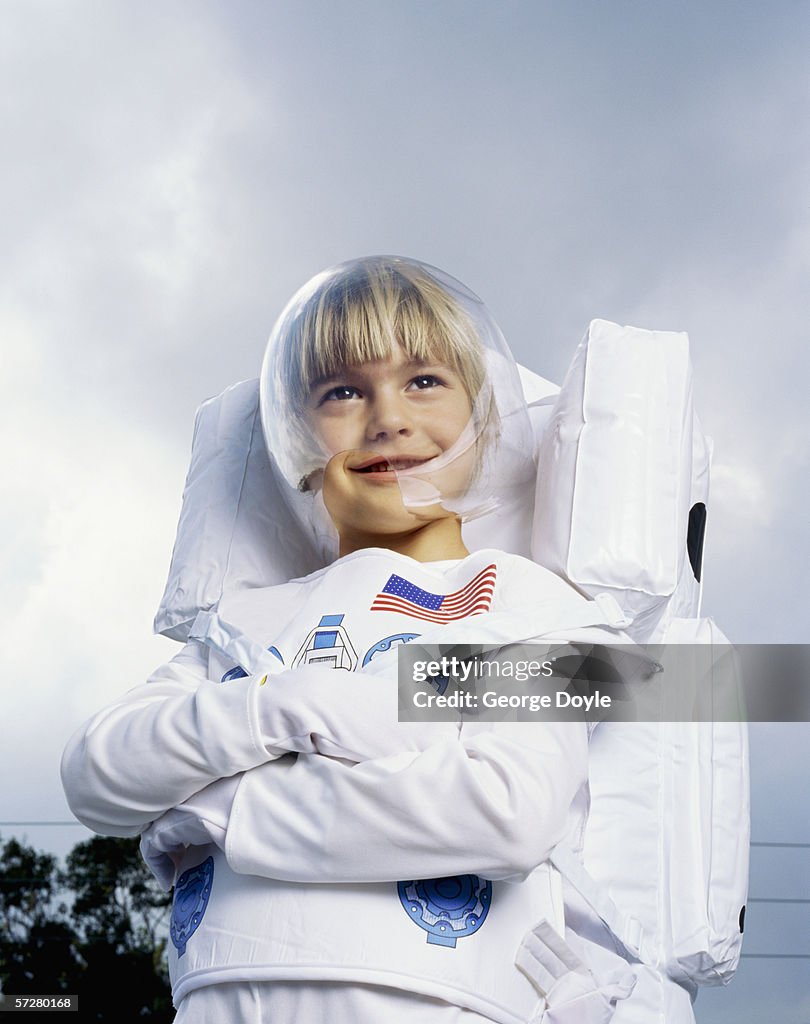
330	862
433	847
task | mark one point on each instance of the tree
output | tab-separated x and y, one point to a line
36	940
96	928
120	913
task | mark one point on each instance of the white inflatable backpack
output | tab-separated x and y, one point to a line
622	490
620	507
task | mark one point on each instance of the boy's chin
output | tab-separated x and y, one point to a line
397	510
387	523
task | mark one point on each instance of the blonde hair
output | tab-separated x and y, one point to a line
357	317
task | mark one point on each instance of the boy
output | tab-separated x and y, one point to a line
346	867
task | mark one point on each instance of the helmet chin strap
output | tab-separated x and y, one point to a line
419	492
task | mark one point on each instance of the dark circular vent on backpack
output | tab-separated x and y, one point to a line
695	533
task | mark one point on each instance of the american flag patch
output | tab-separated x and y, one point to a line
399	595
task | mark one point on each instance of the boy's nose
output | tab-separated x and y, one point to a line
388	418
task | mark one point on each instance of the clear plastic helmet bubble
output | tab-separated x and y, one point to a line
400	370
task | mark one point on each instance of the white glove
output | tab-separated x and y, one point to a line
198	821
584	998
573	993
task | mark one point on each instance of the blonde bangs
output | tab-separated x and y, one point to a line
360	318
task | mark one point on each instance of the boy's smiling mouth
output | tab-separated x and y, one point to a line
389	464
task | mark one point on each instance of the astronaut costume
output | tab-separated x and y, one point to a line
331	862
484	802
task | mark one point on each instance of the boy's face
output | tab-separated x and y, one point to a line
381	418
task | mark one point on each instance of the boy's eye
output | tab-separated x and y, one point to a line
339	393
426	380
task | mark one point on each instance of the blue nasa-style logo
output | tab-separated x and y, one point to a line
237	672
328	644
191	894
387	643
448	909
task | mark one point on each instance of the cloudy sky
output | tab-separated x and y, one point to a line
174	171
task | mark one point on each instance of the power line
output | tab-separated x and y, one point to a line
798	846
49	824
775	956
774	899
75	823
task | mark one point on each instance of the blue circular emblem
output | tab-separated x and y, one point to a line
191	894
387	643
447	908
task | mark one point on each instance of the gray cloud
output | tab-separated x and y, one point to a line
178	170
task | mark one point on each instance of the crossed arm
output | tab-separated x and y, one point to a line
389	801
166	740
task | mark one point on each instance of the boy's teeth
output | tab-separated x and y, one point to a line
386	467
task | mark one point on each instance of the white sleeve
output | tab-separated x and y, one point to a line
165	740
158	744
492	803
